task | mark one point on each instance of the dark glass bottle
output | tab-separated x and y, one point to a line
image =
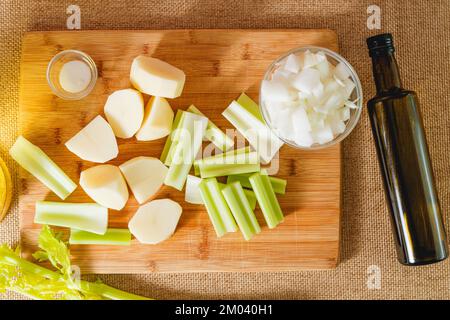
404	161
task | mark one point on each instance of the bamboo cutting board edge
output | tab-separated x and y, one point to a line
325	263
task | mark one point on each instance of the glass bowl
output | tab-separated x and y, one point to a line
54	68
357	95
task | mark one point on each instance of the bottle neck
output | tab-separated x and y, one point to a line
385	72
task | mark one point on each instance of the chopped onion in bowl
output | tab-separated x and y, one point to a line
307	98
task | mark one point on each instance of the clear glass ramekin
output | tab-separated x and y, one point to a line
357	96
54	68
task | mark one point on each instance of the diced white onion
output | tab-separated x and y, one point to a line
308	80
342	71
276	91
307	99
293	63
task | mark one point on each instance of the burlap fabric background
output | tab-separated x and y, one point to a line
422	35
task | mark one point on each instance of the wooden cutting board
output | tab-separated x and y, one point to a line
219	65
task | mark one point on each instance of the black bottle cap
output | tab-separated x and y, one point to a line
380	44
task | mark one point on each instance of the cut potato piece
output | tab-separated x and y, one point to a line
158	118
95	142
144	175
105	185
156	78
124	111
155	221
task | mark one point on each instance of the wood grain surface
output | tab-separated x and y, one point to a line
219	65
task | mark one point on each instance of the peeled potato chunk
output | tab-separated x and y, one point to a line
144	175
124	111
156	78
105	185
158	118
155	221
95	142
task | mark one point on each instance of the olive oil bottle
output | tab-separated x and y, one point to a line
404	161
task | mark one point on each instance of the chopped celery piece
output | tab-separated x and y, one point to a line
237	202
278	184
228	165
266	199
220	155
169	146
260	137
213	133
36	162
251	197
217	208
118	237
82	216
188	145
250	105
192	194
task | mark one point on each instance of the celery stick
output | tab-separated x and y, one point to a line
228	165
89	217
36	162
213	133
249	194
217	208
261	138
169	146
192	193
119	237
193	196
245	217
188	145
250	105
220	155
278	184
196	169
266	199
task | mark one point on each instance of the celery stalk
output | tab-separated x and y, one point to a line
249	194
260	137
169	146
36	162
245	217
278	184
220	155
82	216
228	165
250	105
266	199
217	208
22	276
213	133
120	237
188	145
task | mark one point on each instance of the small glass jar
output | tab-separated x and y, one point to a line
357	96
54	68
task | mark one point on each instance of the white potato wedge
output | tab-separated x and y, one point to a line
124	111
95	142
155	221
158	118
105	185
156	78
144	175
